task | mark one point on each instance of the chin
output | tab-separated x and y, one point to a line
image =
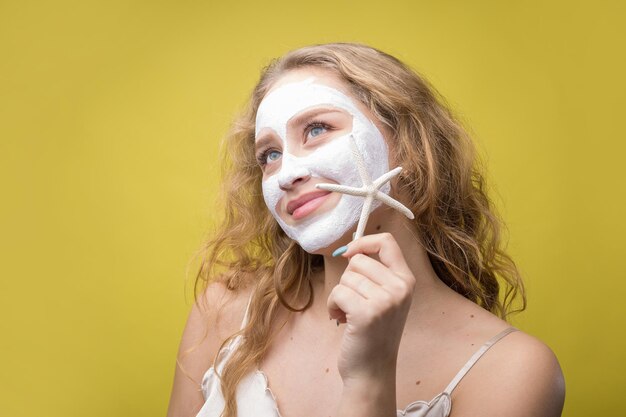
329	249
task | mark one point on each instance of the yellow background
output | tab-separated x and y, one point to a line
110	117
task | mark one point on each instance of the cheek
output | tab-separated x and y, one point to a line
271	193
271	168
334	161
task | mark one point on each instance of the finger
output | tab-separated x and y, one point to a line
342	301
371	268
362	285
387	249
378	273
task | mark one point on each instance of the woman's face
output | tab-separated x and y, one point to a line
303	126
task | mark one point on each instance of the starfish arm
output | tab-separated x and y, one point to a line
360	163
330	187
342	189
365	213
395	204
386	177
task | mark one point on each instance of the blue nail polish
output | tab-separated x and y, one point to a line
340	251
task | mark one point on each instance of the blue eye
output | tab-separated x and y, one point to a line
269	155
314	129
266	156
318	129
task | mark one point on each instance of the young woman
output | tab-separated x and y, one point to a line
414	303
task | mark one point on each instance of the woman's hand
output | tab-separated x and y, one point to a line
373	298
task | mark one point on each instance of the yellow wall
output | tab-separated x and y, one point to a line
110	116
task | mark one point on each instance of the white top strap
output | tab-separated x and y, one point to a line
245	315
472	361
229	349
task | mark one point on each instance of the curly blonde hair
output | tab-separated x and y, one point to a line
441	182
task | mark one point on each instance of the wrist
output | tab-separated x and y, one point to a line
371	383
372	395
370	378
374	371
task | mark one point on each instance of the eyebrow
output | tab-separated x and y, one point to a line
259	143
312	113
298	120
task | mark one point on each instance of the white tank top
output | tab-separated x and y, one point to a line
255	399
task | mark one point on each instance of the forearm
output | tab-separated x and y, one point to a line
373	396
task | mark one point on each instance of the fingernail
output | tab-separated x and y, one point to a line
340	251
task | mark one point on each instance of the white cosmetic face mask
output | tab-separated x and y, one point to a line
332	160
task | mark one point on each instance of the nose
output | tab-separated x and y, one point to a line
291	172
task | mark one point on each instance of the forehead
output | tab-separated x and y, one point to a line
296	92
322	76
289	99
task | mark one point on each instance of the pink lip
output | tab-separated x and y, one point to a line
309	207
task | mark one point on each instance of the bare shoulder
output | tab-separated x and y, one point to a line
519	376
219	312
215	316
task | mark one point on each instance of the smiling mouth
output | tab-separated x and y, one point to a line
309	207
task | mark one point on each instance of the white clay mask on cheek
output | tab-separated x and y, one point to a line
333	161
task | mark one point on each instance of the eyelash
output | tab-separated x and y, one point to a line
262	158
316	123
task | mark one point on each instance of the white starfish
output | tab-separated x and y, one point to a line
369	190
